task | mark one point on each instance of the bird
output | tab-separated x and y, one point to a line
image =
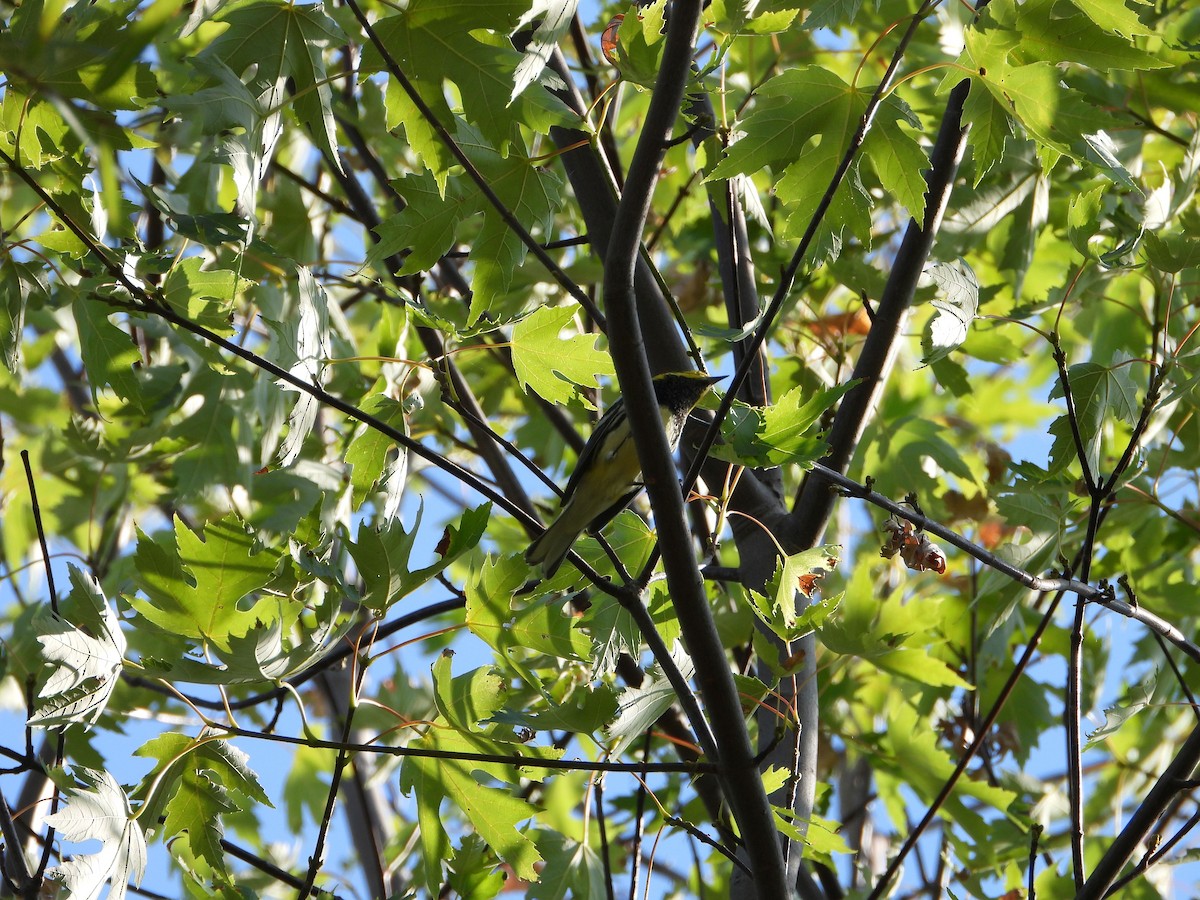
608	474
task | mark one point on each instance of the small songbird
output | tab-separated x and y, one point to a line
608	475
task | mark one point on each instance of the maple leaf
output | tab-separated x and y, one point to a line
87	663
98	810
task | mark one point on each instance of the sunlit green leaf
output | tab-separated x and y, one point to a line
553	366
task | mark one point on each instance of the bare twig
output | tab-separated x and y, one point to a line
510	759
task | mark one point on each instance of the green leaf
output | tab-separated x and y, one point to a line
891	637
109	354
247	118
1083	219
195	783
268	652
1057	117
495	814
798	573
432	219
819	836
956	309
466	43
582	711
1116	15
1052	32
98	810
910	754
991	127
194	818
902	455
752	16
1172	252
370	455
1042	511
280	42
516	629
640	44
553	366
20	283
306	786
831	13
86	660
382	555
209	434
800	105
205	297
778	434
1099	392
572	869
473	870
211	228
1137	699
195	584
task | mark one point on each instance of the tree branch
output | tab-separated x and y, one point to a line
1164	791
733	751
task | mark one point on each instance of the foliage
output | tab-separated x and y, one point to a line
305	309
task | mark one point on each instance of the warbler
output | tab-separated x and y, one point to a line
608	475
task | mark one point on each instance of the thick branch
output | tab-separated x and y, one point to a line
733	752
596	191
1127	842
814	503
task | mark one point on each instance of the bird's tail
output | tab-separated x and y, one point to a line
552	547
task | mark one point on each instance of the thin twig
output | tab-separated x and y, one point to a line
1071	716
511	759
267	867
317	860
41	533
602	822
1064	381
639	818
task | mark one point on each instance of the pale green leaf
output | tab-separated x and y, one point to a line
86	657
555	18
304	346
638	708
957	304
98	810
